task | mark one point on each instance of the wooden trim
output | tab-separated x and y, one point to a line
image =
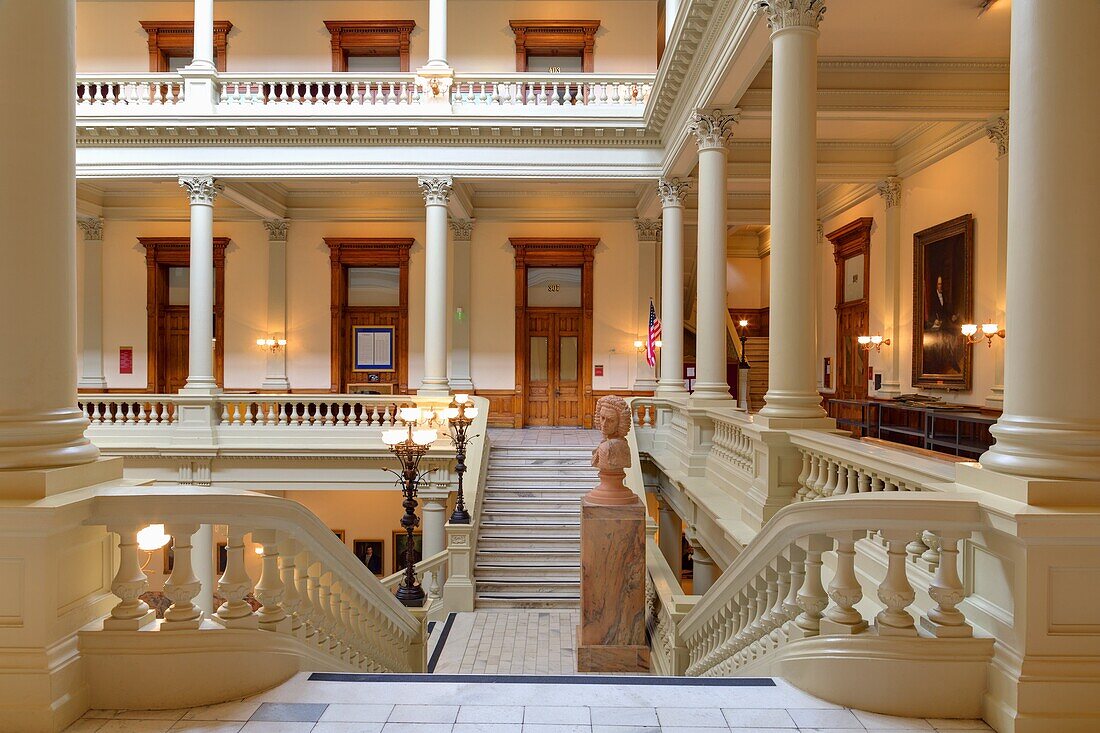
168	38
347	252
759	320
555	252
962	225
503	407
160	254
385	38
556	38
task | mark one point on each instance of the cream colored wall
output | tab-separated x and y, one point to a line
617	321
963	183
744	283
363	515
291	36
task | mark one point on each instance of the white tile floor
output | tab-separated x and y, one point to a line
511	641
548	437
448	706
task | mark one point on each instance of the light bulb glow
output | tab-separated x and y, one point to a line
393	437
152	538
410	414
742	323
424	436
969	329
864	340
990	329
876	340
637	344
259	549
450	413
461	398
657	343
471	412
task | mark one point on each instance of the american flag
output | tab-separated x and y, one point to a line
654	335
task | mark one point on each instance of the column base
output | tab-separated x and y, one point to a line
792	405
996	397
667	388
889	390
1042	449
463	384
1033	491
97	384
38	483
644	385
712	392
200	387
434	387
45	439
276	384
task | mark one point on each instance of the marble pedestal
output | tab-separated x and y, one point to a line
611	635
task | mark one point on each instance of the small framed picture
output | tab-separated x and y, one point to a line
401	543
371	553
223	556
339	533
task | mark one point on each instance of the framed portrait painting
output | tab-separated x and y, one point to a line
370	553
400	543
943	300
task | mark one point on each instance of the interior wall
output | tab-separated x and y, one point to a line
963	183
744	283
617	321
291	36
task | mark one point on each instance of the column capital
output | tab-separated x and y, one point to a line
462	230
997	131
437	190
890	191
276	229
713	128
672	191
784	14
649	230
92	228
200	189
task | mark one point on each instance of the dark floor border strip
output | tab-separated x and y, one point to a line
442	640
547	679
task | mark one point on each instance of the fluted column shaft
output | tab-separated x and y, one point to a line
672	194
437	192
200	343
711	131
1050	427
792	391
40	425
91	316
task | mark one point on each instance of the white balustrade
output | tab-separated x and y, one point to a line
270	93
734	446
132	92
754	608
551	91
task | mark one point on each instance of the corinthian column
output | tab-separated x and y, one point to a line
201	191
91	356
462	232
792	391
998	135
40	425
672	193
649	231
437	192
890	190
712	131
276	380
1050	428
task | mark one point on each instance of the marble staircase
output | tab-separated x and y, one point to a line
528	550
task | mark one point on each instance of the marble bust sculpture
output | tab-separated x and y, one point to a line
612	455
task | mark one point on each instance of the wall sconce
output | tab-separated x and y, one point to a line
988	331
872	342
270	344
639	345
657	344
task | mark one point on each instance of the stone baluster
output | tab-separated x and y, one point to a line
812	598
916	548
852	486
234	585
131	613
831	479
315	619
326	639
895	592
947	591
270	590
796	557
800	495
931	556
778	609
845	590
182	585
822	477
292	598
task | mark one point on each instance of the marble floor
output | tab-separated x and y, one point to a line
512	704
511	641
544	437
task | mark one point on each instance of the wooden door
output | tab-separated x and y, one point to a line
851	368
174	349
553	394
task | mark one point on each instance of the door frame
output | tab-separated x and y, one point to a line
851	240
345	252
160	254
554	252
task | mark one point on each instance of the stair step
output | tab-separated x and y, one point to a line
536	587
498	543
489	575
565	507
526	557
508	601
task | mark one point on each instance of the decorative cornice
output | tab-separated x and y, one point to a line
784	14
200	189
437	191
672	192
462	230
276	229
92	227
890	191
713	129
649	230
998	135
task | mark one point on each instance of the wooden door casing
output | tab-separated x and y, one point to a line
553	400
175	348
555	252
160	254
851	360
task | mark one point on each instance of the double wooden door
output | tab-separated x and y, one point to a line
553	394
851	323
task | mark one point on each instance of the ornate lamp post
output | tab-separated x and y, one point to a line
409	444
743	335
460	415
